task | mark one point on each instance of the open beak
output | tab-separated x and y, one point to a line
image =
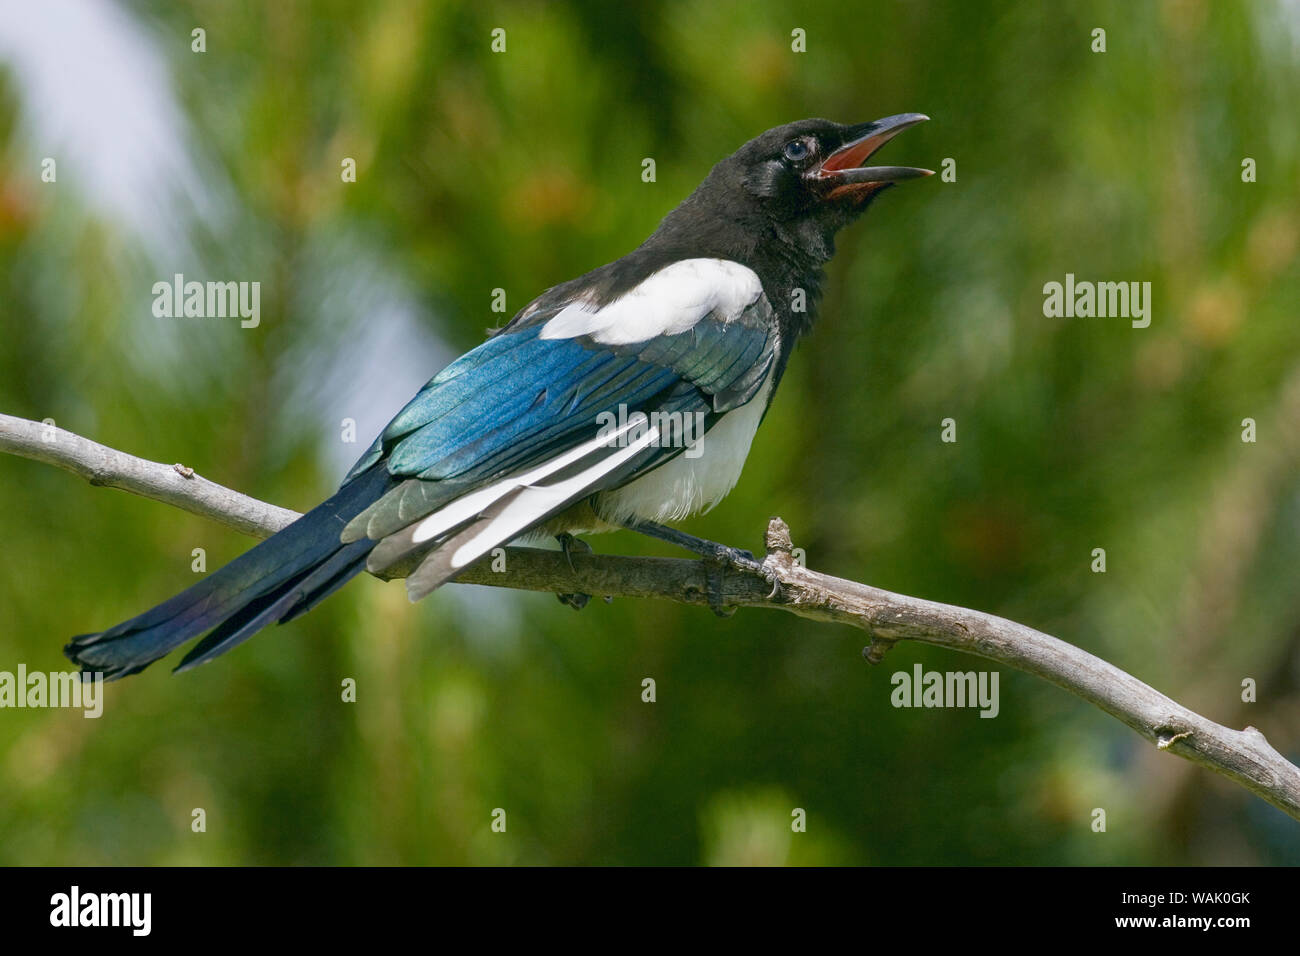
842	172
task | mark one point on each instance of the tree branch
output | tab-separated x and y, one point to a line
1240	755
174	485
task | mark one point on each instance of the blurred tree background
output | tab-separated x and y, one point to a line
479	170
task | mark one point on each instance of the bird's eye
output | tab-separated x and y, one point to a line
796	150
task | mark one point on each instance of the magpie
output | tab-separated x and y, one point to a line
625	398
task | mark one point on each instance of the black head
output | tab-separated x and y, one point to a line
813	169
797	184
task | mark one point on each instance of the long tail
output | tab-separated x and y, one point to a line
284	576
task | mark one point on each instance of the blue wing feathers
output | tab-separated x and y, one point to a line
248	584
515	401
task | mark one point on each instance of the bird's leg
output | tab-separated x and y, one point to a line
568	544
717	558
725	554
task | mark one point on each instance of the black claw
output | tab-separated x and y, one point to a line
772	579
714	574
576	601
569	544
714	565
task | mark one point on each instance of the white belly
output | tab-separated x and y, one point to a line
685	486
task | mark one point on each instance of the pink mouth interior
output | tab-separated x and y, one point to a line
853	155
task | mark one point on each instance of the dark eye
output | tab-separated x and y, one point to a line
796	150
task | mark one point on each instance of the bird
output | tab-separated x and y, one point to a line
626	398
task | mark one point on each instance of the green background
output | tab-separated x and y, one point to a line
478	171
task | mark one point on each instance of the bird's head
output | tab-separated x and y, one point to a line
803	181
814	169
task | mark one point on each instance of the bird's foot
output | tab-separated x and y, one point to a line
717	559
569	544
723	557
577	600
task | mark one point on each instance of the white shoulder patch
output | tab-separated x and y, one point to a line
668	302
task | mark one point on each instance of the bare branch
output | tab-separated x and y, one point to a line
1241	755
174	485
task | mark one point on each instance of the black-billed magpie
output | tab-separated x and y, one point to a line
624	398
